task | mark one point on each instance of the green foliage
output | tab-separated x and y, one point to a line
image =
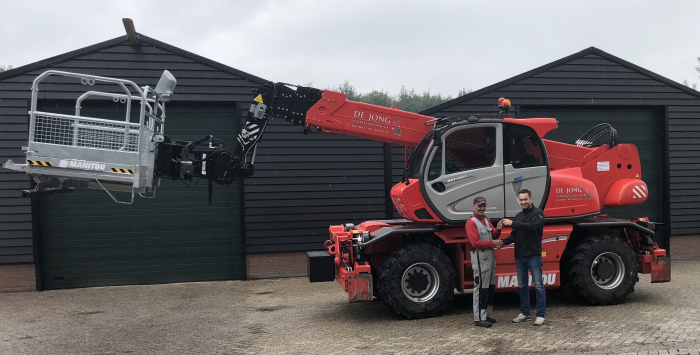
693	85
688	84
407	100
4	68
379	98
464	91
414	102
348	90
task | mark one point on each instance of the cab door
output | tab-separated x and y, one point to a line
467	164
524	166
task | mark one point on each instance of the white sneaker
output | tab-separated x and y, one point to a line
539	321
521	318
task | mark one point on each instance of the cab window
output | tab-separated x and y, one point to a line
469	149
435	168
522	147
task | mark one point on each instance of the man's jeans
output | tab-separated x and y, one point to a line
534	264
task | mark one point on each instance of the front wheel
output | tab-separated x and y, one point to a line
602	270
417	281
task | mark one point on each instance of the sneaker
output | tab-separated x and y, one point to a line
491	320
521	318
539	321
482	323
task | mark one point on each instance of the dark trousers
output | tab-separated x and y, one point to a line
534	265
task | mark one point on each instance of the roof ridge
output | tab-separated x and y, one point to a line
556	63
118	41
62	57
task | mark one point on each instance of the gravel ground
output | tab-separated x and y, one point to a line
296	317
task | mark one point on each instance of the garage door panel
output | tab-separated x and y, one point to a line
88	240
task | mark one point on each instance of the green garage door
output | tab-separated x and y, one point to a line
640	126
89	240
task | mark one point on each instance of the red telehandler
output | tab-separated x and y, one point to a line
413	264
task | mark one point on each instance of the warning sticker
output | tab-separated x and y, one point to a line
603	166
258	98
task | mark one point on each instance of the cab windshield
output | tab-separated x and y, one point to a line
413	168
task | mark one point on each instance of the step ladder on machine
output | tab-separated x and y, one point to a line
113	155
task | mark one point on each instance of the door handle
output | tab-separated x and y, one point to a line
439	187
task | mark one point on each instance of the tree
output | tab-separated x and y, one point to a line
407	100
348	90
414	102
693	85
379	98
464	91
5	68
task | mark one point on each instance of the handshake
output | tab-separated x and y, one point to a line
498	244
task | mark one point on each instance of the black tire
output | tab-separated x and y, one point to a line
422	264
602	270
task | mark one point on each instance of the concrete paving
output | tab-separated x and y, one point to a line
292	316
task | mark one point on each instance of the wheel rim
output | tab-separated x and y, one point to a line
420	282
608	270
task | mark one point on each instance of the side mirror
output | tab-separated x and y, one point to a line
166	86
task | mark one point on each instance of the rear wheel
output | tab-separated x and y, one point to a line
417	281
602	270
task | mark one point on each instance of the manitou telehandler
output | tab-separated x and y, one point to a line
413	264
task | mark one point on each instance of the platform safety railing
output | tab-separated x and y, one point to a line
111	154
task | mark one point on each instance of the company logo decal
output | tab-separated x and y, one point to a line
517	186
373	122
81	164
511	281
460	178
572	193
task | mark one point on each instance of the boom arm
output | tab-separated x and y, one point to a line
323	111
331	112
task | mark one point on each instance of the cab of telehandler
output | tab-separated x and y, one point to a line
477	157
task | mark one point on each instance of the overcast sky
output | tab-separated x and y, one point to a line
441	46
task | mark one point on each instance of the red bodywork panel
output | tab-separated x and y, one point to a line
554	239
541	125
335	115
570	194
408	199
585	180
626	192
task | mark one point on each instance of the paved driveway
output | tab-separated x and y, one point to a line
296	317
